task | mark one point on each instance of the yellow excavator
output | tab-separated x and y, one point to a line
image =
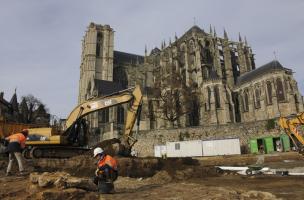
51	143
291	126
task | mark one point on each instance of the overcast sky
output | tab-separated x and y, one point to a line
40	41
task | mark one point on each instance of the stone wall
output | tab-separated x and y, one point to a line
245	131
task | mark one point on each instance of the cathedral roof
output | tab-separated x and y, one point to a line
193	29
155	51
122	57
107	87
264	69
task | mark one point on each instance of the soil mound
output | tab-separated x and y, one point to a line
161	177
134	167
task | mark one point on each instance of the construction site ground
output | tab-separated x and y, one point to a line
152	178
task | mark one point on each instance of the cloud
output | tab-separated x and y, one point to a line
41	40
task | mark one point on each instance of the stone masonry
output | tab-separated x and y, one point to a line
244	131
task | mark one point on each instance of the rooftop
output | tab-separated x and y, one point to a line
122	57
264	69
107	87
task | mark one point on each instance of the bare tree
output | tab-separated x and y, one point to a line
32	108
176	98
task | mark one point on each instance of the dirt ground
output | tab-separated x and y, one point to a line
173	178
226	187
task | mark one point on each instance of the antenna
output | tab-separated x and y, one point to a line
194	21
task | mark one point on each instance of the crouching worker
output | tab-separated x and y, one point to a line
106	172
16	143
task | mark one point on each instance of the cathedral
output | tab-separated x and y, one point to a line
198	79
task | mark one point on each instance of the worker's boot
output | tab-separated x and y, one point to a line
8	174
22	173
105	188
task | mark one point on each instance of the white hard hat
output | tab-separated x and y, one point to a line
97	151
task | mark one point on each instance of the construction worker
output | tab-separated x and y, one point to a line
16	143
106	172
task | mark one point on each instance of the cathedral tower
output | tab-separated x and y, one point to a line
96	59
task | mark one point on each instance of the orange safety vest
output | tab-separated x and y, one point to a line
17	137
108	160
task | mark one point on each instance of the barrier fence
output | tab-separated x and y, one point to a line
8	128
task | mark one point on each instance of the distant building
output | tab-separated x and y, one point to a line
9	110
12	111
228	86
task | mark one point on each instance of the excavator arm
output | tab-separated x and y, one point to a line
131	95
290	126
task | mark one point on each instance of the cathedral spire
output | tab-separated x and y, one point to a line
214	32
175	36
240	37
170	41
225	34
246	43
145	50
211	32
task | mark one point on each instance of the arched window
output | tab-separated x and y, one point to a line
246	101
269	92
257	98
182	59
217	97
206	72
280	90
120	115
206	55
241	99
191	47
228	101
208	102
104	116
98	44
194	114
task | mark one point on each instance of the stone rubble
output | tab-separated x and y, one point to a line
60	185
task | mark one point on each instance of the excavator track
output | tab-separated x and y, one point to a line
53	152
111	146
